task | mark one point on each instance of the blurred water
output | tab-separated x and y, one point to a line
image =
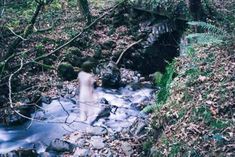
61	117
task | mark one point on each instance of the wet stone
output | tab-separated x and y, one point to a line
46	99
80	142
110	76
46	154
80	152
138	127
104	101
106	152
105	111
97	142
127	149
21	153
59	146
96	131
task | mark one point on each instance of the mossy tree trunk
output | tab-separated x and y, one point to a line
84	9
196	9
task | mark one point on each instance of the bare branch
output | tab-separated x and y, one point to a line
9	83
76	36
3	8
15	34
28	30
130	46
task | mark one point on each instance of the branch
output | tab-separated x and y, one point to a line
3	8
130	46
76	36
64	111
9	83
28	30
15	34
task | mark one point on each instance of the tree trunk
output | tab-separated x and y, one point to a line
85	10
196	10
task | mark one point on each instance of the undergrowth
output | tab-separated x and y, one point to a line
163	81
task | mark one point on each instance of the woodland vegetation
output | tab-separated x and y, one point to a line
184	47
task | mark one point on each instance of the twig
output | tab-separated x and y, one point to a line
3	8
9	83
10	92
31	122
28	30
64	110
44	65
15	33
130	46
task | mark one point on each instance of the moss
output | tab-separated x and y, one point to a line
66	71
157	78
165	83
147	146
219	124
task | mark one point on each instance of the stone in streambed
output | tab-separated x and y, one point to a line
21	153
60	146
110	75
81	152
127	149
97	142
96	131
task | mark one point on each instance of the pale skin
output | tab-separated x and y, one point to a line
87	98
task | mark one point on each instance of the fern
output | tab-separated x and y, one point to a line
204	38
164	92
150	108
212	35
209	27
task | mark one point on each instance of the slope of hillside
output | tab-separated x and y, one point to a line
198	116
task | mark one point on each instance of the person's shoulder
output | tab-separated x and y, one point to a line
84	74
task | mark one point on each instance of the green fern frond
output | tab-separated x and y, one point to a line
204	38
149	108
208	27
213	34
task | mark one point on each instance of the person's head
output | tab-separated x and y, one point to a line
87	66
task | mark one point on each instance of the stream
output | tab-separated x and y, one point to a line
61	117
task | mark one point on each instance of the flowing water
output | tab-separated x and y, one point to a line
61	117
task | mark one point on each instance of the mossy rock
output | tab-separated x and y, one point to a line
49	60
87	66
75	51
109	44
40	50
74	56
66	71
158	77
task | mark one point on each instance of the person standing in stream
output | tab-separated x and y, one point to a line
89	108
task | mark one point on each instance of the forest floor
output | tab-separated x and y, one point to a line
198	117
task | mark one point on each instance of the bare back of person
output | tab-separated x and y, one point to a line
87	99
